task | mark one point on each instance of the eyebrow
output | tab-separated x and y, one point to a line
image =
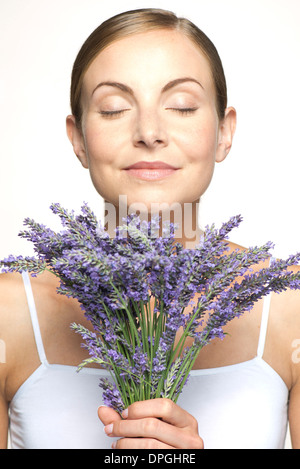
130	91
178	81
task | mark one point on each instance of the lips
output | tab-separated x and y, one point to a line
151	171
150	165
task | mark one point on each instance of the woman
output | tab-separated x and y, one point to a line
149	120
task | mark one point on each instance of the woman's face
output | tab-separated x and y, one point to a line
150	128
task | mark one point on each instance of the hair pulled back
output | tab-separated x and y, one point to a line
140	21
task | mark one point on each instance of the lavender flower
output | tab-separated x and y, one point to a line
111	395
134	290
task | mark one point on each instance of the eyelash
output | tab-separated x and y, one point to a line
113	113
183	111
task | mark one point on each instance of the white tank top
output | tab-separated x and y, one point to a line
237	406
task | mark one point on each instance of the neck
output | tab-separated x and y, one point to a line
184	216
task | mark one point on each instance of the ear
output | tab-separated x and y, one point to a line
226	132
76	138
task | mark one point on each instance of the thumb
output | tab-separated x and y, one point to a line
108	415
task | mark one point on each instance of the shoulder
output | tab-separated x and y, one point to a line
14	308
11	302
11	297
289	304
286	312
283	338
288	301
16	333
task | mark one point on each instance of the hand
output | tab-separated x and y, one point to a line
152	424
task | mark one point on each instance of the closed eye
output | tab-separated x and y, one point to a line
111	114
184	111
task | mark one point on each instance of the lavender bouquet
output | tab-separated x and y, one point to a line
138	291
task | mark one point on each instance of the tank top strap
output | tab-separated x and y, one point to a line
34	317
264	325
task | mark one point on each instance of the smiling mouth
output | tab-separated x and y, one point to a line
151	171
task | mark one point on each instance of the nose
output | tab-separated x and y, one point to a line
149	130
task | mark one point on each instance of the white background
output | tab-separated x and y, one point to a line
258	41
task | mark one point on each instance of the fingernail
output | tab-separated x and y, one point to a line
108	429
125	414
101	406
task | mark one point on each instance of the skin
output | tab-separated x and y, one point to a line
153	123
151	128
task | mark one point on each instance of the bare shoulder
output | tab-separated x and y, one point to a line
282	350
18	354
10	296
13	298
16	332
15	320
6	290
286	311
13	317
289	303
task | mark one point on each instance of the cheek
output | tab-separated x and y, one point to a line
199	143
100	147
200	149
96	144
98	155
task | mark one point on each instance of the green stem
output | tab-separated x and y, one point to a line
129	315
186	368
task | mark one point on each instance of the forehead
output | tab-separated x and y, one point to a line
151	58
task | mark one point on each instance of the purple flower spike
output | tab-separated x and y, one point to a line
135	288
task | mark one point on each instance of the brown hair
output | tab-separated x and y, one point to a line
139	21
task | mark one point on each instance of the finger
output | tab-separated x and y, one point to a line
108	415
140	443
164	409
153	428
